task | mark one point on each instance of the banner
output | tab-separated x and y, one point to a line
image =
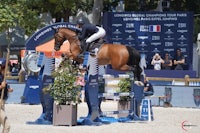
46	34
152	32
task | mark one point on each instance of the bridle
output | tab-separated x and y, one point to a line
59	43
62	39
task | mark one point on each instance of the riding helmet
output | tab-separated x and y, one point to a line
80	21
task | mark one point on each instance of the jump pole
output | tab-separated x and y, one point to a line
93	98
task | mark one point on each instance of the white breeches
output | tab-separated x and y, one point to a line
100	34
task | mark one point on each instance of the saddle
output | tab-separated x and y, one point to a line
91	46
95	44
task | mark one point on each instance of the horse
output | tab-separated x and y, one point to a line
119	56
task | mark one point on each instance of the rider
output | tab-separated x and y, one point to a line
91	31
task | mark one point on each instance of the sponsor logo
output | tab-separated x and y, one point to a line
187	125
142	44
169	49
143	37
117	31
117	25
182	31
142	50
129	31
34	86
131	44
169	38
183	50
169	44
181	44
156	43
130	38
156	50
116	42
144	28
129	25
155	38
116	38
169	25
169	31
182	38
182	25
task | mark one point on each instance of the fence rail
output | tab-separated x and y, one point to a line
186	79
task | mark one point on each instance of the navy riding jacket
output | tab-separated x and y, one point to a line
87	30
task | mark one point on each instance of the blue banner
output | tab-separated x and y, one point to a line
152	32
45	34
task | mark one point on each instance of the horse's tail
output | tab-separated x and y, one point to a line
134	60
137	68
137	72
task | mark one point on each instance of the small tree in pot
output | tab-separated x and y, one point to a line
124	101
124	86
65	89
66	93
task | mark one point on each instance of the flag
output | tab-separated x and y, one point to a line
154	28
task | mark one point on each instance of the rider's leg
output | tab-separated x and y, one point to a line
83	44
100	34
95	36
84	47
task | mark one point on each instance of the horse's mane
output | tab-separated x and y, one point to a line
71	30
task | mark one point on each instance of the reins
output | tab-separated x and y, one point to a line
72	39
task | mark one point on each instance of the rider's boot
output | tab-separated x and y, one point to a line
85	48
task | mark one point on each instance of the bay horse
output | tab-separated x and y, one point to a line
121	57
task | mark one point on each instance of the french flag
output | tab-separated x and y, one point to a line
154	28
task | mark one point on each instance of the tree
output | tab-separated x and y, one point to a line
60	8
16	13
96	11
65	8
7	18
108	5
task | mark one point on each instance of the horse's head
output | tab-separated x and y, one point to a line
59	39
63	34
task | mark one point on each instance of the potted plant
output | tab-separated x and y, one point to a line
66	94
124	101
